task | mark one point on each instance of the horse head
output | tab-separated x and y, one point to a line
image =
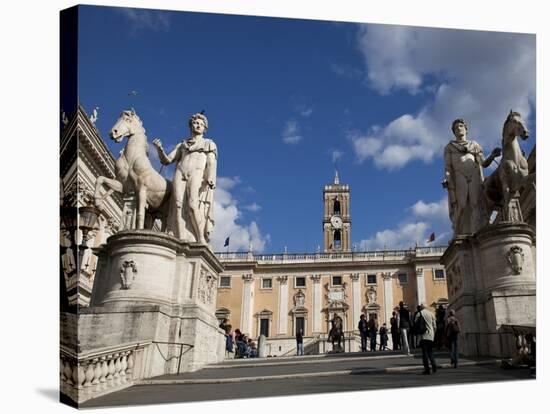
514	126
126	126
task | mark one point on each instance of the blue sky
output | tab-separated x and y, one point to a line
287	99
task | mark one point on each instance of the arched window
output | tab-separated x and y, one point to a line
337	206
337	239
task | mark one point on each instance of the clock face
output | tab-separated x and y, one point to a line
336	222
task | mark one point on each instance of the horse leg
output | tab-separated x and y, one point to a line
141	204
111	184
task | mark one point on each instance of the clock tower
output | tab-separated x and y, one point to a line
336	218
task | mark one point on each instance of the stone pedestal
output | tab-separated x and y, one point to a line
491	283
154	299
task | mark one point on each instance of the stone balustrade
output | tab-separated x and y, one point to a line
101	372
371	256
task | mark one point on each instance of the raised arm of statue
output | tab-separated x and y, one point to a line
165	159
495	153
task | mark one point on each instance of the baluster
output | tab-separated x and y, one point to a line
117	365
104	369
80	376
123	366
97	371
68	372
130	369
110	376
88	374
62	370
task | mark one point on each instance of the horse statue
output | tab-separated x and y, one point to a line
502	187
135	174
336	334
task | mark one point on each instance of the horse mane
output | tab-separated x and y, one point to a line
133	114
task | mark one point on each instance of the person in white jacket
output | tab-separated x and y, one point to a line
426	338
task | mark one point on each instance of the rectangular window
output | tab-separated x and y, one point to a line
300	281
264	327
225	281
336	280
371	279
267	283
403	279
439	274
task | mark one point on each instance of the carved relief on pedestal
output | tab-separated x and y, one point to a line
516	258
207	283
128	272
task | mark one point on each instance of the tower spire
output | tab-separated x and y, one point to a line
336	177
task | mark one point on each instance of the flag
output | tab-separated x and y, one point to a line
226	242
432	238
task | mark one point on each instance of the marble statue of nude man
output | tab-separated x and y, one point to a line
464	163
191	212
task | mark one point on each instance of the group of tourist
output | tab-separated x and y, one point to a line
420	330
238	344
369	330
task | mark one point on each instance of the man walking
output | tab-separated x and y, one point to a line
394	329
363	329
425	329
452	329
373	330
404	326
299	343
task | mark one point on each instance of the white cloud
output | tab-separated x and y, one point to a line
436	211
336	155
227	216
291	133
474	75
423	219
305	111
145	19
402	237
253	207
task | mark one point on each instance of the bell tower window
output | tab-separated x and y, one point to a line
337	207
337	240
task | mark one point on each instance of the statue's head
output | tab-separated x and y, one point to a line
195	120
459	126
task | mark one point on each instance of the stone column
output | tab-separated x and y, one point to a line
283	305
316	303
420	286
356	299
388	296
248	304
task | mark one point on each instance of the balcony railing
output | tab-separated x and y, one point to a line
374	256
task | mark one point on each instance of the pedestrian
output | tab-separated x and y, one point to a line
404	327
223	324
440	326
412	332
383	337
229	340
300	342
452	329
363	331
373	330
394	329
425	328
